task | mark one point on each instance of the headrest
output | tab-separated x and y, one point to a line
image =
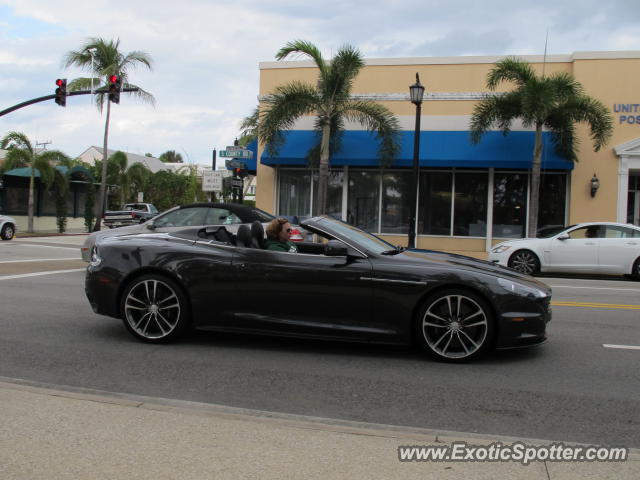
243	237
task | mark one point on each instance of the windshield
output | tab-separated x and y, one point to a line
358	237
262	215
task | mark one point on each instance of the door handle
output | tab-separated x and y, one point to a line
590	243
632	243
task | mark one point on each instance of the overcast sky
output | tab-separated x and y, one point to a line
206	54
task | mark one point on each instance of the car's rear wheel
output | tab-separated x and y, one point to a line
525	261
455	325
8	231
635	272
154	308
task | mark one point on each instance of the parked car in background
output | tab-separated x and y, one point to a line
7	227
348	284
229	214
594	247
129	214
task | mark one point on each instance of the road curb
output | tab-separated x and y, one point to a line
424	435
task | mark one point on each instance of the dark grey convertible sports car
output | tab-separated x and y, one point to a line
347	285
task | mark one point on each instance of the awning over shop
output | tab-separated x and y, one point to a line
437	149
77	172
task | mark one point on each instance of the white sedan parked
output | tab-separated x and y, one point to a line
596	247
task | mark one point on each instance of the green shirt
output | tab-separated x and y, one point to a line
278	246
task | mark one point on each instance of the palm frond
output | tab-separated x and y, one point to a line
16	158
344	68
45	168
16	140
495	110
510	69
281	111
595	114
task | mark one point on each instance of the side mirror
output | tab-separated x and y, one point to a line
335	248
563	237
151	225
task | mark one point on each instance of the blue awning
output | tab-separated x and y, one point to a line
437	149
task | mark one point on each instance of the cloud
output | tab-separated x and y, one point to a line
206	77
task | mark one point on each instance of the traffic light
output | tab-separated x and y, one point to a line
61	92
240	172
115	84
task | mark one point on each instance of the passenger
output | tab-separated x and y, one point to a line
591	232
278	234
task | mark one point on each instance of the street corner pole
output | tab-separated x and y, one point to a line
416	93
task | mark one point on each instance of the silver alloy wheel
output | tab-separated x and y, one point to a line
455	326
152	309
524	262
8	232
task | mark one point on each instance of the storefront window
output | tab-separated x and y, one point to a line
295	193
509	204
470	205
553	195
434	210
396	195
364	194
334	193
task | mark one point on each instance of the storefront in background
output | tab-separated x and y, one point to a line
470	196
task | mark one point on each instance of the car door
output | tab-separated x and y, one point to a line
310	294
578	253
618	249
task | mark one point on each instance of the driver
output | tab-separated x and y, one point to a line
278	234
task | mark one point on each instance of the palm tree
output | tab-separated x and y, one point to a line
330	101
103	59
22	154
118	175
249	128
556	102
170	156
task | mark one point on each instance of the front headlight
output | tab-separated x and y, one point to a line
520	289
95	259
500	248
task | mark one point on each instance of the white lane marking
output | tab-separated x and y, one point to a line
37	274
41	260
597	288
74	247
626	347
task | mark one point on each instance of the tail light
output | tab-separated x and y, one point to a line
296	235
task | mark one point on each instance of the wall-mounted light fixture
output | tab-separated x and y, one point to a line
595	185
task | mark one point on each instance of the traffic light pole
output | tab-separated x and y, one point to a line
53	96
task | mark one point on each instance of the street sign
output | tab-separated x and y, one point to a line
242	153
237	182
212	181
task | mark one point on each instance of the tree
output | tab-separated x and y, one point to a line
170	156
330	101
22	154
103	59
556	102
249	128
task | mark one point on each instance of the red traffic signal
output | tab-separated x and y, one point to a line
61	92
115	85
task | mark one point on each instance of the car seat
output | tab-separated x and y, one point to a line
257	234
243	237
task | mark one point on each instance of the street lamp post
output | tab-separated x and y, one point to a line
416	92
92	51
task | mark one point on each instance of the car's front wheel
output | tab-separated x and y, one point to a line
455	325
525	261
8	231
635	272
154	308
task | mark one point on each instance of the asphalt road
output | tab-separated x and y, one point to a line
573	388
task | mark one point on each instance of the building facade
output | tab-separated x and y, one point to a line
471	196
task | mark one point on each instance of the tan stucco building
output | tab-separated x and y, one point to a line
471	196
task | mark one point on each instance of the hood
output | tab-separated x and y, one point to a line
128	230
430	257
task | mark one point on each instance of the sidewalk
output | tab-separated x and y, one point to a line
75	434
